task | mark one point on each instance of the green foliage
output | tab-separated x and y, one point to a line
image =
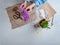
45	24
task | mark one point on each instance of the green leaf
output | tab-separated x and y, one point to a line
45	24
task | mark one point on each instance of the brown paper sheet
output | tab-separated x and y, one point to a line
48	8
18	22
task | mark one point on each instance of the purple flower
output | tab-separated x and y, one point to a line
24	13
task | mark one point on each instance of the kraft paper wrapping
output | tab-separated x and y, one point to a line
48	8
17	23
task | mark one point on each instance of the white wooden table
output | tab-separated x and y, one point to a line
27	35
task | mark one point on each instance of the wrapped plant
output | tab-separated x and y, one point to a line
44	23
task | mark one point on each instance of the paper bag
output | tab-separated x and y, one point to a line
18	22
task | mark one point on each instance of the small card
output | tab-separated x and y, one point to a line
17	22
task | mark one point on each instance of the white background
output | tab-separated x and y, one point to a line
26	35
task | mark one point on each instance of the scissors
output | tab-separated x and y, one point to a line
28	8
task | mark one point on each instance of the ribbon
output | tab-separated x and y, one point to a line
39	2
